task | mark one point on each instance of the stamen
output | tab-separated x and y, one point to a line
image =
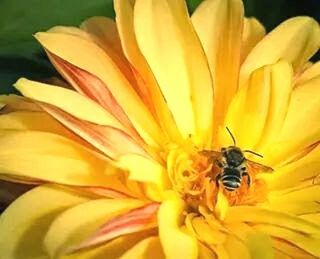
194	176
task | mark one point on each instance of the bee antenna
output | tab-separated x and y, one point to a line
252	152
233	139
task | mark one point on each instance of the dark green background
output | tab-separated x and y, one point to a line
20	55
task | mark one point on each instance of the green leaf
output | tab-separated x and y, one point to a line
19	19
193	4
20	54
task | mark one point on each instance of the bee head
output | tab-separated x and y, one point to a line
234	156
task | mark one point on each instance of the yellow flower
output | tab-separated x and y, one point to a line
127	158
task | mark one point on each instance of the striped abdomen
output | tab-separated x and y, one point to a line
231	178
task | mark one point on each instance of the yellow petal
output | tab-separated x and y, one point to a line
298	201
260	246
107	139
37	121
293	137
296	40
205	232
308	243
75	225
134	221
67	100
187	74
310	73
249	242
302	171
219	24
49	157
145	249
221	252
262	104
206	253
113	249
253	32
294	207
314	217
175	242
143	169
17	103
281	78
147	171
74	31
26	120
85	57
288	250
105	29
105	34
257	215
24	224
144	75
222	205
235	248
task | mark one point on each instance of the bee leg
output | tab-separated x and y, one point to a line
217	179
248	178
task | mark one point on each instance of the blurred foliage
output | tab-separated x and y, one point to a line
20	55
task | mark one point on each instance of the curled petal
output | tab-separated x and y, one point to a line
293	138
297	39
263	105
309	73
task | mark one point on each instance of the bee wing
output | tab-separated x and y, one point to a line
212	155
258	168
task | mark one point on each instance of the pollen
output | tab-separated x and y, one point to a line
194	177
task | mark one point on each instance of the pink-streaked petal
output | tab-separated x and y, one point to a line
134	221
105	192
109	140
92	87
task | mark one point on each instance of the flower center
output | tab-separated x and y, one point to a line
197	179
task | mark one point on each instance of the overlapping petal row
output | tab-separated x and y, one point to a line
143	94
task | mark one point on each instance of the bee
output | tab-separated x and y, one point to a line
234	165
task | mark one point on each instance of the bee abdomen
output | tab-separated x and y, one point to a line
231	182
